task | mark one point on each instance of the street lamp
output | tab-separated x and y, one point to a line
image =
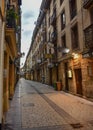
65	50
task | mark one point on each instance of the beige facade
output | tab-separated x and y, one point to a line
8	52
62	43
2	24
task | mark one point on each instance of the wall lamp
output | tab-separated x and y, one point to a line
64	50
75	55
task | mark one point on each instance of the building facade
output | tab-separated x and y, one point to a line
2	24
10	34
62	45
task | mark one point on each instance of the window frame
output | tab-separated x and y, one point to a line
63	24
73	29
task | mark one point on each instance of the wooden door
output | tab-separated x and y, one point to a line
66	77
78	77
50	77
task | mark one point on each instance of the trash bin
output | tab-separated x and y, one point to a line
59	86
55	86
43	79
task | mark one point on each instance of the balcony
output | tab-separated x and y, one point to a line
53	37
10	37
53	19
88	32
87	3
10	34
11	17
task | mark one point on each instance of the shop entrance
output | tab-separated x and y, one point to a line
78	77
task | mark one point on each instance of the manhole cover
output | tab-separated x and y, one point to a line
28	104
77	125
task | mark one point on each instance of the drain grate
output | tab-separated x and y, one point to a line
77	125
28	105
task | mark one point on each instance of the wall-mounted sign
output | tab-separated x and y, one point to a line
70	73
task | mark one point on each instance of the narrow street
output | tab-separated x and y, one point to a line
37	106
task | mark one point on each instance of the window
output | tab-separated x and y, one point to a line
54	2
49	36
90	69
74	35
72	8
49	21
63	41
91	15
63	20
61	1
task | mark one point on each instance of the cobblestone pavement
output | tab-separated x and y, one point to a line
37	106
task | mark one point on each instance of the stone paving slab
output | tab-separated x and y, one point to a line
76	108
41	114
36	106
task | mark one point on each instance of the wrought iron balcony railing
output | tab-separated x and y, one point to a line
87	3
88	32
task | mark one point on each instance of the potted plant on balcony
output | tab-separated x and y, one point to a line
11	13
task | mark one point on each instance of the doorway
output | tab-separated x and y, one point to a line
78	77
10	78
50	76
66	76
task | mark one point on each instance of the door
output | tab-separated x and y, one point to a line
66	77
78	77
50	76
